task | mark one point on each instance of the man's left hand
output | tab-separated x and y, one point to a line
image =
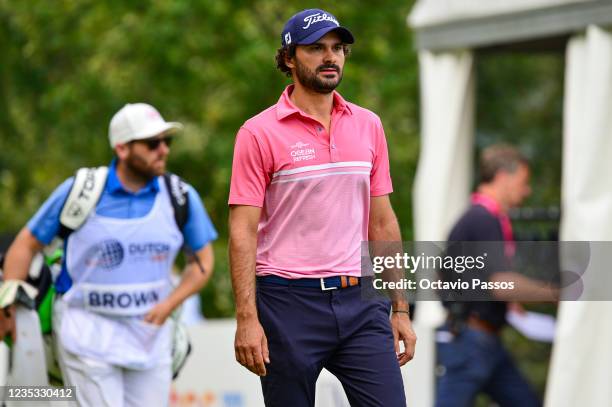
159	313
402	331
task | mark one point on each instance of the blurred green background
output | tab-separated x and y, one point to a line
68	66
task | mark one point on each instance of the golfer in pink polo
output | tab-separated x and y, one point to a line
310	182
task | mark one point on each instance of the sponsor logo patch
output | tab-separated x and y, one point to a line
107	255
154	251
302	152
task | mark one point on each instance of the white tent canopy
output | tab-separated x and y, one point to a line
435	12
453	24
446	34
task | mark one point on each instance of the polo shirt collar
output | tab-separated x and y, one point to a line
113	184
285	106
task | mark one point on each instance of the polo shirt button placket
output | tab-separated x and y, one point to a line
333	151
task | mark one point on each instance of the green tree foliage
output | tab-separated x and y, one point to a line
520	101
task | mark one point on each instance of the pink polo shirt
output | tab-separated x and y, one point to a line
314	188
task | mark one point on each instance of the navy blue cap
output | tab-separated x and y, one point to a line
307	26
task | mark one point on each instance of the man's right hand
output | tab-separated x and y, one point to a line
251	346
16	266
7	323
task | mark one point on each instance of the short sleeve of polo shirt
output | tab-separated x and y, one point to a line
45	224
199	229
249	174
380	178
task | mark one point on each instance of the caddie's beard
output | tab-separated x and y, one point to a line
310	80
139	167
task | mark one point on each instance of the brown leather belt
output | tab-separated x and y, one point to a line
348	281
482	325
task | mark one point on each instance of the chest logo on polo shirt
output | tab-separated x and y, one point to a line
301	152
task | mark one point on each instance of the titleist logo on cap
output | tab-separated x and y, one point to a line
308	26
318	17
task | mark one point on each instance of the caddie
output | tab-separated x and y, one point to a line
114	293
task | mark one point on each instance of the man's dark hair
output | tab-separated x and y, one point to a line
283	53
288	52
499	157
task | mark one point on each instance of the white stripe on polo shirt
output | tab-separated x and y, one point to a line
319	167
328	174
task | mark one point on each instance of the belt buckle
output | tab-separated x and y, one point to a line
326	288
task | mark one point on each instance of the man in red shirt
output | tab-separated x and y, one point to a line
471	356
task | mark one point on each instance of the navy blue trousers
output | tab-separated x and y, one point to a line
309	329
475	361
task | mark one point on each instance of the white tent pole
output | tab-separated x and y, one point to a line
581	367
442	185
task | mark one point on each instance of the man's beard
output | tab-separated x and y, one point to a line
310	80
138	167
